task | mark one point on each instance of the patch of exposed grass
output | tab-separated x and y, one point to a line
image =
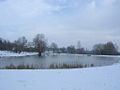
20	67
68	66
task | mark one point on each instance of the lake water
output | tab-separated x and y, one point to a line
45	61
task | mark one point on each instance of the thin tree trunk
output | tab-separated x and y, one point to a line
40	54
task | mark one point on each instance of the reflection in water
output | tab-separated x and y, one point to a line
66	60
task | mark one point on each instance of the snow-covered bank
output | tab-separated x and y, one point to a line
89	55
100	78
13	54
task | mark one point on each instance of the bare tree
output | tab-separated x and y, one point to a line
98	49
40	43
105	49
78	50
110	48
54	47
78	45
71	49
20	44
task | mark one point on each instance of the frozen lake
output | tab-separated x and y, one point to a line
45	61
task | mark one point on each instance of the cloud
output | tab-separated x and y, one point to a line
64	21
96	15
2	0
27	8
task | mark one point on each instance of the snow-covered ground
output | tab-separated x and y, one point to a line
100	78
13	54
90	55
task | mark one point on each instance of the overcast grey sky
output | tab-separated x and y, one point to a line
62	21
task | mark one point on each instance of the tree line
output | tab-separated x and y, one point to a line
40	45
105	49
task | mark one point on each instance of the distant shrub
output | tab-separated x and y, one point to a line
92	65
10	67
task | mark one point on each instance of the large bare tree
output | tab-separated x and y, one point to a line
108	48
40	43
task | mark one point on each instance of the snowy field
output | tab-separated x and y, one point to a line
13	54
100	78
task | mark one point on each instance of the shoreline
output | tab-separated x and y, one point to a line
6	54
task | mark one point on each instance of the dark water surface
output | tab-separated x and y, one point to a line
45	61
